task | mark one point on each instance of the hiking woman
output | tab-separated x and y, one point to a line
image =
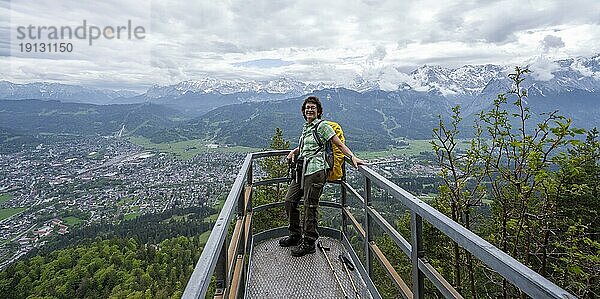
312	176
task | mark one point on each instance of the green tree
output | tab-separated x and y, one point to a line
517	162
92	271
571	246
462	190
512	162
274	167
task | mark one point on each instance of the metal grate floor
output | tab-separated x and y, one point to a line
274	273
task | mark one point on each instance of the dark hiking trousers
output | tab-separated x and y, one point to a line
312	189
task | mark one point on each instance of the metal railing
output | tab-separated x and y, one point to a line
228	264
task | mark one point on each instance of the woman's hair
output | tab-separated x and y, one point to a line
313	100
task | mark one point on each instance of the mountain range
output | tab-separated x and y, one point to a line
62	92
245	112
576	73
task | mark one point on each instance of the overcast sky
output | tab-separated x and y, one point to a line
306	40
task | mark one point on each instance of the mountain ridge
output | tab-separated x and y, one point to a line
467	80
372	118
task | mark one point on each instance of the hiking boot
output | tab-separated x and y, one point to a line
289	241
306	247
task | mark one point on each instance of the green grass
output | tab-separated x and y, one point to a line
217	206
80	112
204	237
427	198
5	213
72	220
177	218
211	218
131	216
187	149
125	200
5	197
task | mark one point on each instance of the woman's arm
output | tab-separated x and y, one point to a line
292	153
355	160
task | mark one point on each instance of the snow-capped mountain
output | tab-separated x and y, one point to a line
466	80
287	86
360	84
573	74
469	85
470	80
63	92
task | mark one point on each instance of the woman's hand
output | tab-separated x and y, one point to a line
290	156
357	161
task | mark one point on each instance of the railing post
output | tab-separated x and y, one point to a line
250	231
241	250
249	183
249	174
221	279
416	229
243	210
344	205
368	237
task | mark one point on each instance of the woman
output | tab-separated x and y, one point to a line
312	181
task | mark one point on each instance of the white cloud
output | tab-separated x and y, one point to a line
317	40
542	68
378	54
391	79
552	42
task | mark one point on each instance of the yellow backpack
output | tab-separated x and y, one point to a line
333	153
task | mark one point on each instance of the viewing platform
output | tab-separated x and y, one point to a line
274	273
244	264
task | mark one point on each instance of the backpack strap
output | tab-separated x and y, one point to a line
300	144
316	134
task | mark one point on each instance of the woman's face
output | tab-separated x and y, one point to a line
310	112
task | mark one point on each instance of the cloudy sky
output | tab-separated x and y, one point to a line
306	40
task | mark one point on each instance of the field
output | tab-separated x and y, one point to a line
218	205
5	197
204	237
72	221
6	213
130	216
125	200
189	148
211	218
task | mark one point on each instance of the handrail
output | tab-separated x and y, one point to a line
214	250
529	281
214	258
214	245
